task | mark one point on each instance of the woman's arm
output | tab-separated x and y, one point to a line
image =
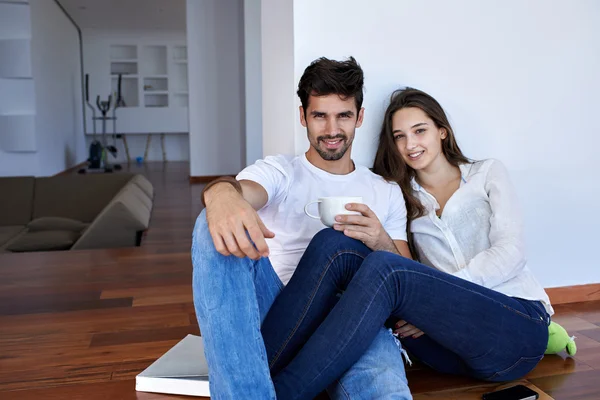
506	256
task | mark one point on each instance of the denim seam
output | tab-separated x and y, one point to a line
343	389
536	320
354	331
307	306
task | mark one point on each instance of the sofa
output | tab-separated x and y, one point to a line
74	212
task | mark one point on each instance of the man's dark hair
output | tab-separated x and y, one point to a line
324	77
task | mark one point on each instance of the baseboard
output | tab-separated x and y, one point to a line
574	294
206	179
73	169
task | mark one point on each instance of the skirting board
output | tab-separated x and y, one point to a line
205	179
574	294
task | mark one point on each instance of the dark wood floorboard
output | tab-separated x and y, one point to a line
83	324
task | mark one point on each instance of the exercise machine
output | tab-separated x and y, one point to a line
99	150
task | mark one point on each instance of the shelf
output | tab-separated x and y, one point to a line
123	52
129	91
156	76
154	60
17	133
154	84
156	100
156	92
15	21
15	58
19	98
180	78
125	60
124	68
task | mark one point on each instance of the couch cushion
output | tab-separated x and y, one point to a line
144	184
9	232
44	241
118	224
56	224
79	197
16	200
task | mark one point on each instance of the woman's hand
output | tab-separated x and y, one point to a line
403	329
365	227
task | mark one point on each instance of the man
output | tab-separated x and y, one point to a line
253	232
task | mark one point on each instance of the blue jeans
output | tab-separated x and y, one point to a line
469	329
232	297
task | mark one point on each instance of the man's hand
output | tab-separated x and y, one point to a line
366	227
403	329
229	216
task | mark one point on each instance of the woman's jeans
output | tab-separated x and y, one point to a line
314	332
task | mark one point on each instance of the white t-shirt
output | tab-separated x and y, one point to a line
293	182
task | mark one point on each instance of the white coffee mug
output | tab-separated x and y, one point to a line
329	207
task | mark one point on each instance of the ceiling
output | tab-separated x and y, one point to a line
127	14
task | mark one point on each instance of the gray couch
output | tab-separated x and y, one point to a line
74	212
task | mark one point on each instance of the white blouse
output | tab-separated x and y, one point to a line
479	236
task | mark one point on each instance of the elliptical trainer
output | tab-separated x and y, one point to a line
98	153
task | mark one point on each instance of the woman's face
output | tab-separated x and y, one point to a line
417	137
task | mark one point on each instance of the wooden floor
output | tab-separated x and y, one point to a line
81	325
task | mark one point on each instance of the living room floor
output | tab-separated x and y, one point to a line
83	324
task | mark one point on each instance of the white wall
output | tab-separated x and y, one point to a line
96	47
279	85
57	76
17	95
253	80
215	64
519	81
48	89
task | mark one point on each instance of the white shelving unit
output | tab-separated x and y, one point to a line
179	95
156	78
152	75
17	87
154	83
123	60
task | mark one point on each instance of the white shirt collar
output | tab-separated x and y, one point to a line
464	174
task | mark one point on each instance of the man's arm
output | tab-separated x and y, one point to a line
252	192
231	211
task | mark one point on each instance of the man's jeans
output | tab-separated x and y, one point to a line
469	329
232	297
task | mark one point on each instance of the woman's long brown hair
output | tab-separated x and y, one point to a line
388	161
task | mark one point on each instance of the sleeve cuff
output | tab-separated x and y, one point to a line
398	235
463	274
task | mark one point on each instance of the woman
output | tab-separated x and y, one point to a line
471	306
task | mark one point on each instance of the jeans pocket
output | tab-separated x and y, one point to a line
517	370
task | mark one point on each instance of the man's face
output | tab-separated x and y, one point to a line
330	123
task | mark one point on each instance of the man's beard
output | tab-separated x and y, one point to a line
332	154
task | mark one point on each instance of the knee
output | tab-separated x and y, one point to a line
385	262
201	233
330	240
202	242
